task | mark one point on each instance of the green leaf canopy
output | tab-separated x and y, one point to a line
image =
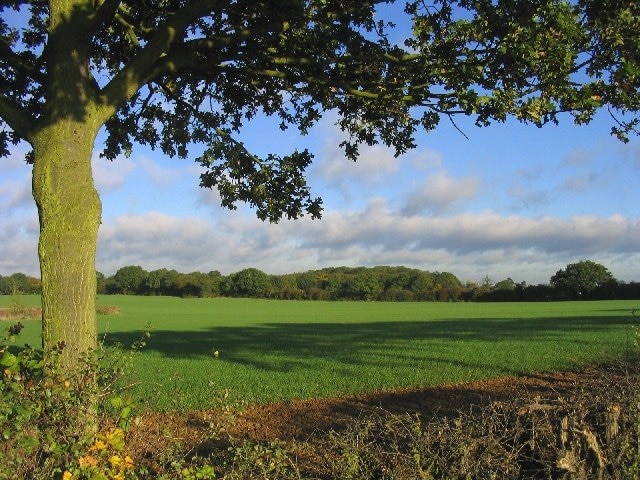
174	73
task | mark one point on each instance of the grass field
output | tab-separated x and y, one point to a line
277	350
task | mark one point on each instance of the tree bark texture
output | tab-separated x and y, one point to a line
69	207
69	210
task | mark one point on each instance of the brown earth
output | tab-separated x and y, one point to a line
32	313
19	313
300	420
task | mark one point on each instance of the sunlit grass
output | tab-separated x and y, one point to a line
278	350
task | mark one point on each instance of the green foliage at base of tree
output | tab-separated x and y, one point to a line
48	415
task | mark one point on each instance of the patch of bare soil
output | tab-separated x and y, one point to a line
300	420
21	313
29	313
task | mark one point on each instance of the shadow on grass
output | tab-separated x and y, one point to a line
286	346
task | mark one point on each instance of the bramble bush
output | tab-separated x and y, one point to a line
42	408
42	411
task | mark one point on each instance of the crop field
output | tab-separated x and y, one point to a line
271	350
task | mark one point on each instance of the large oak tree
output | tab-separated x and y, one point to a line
581	278
175	73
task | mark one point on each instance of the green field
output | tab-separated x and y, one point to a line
274	350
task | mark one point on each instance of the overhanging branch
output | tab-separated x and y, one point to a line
144	66
105	10
15	116
18	63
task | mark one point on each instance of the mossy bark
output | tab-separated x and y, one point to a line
69	210
69	207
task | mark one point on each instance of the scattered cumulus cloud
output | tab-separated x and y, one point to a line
19	240
111	175
584	181
490	213
439	193
158	174
15	162
373	165
15	194
524	198
154	240
579	156
426	159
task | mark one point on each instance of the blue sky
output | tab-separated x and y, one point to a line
511	200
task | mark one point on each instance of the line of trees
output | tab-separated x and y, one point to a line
337	283
582	280
19	283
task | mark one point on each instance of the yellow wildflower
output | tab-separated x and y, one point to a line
128	462
116	433
116	439
67	475
115	461
88	461
98	445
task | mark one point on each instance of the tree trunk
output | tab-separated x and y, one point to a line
69	210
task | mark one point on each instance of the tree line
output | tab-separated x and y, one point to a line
584	280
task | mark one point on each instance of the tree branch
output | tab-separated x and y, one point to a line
17	62
144	66
105	10
16	117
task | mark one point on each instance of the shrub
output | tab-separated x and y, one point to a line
44	414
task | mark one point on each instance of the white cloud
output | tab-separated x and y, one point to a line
154	240
158	174
529	198
19	240
440	192
470	245
15	194
426	159
111	175
584	181
15	162
373	165
579	156
378	235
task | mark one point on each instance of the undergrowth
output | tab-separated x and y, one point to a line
591	434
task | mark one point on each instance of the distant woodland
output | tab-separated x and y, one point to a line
381	283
